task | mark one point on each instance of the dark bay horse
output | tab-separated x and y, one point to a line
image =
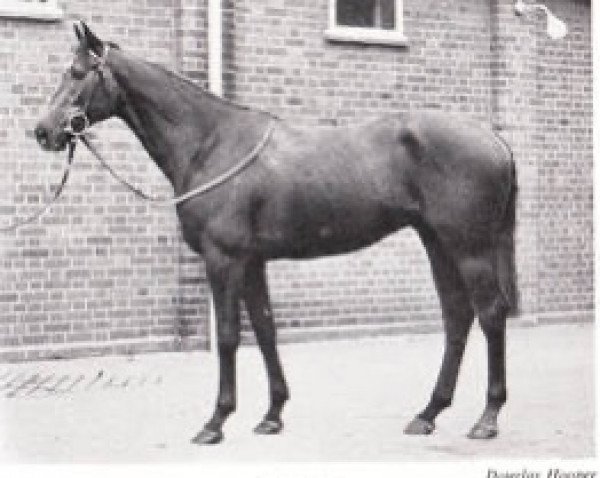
308	193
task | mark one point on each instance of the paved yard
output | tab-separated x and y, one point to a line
350	401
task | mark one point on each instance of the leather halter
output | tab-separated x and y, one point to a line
78	121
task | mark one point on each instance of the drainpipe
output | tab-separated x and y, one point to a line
215	47
215	85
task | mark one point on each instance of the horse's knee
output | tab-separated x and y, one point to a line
228	339
492	318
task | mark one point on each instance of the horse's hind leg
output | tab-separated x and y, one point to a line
458	317
256	297
481	275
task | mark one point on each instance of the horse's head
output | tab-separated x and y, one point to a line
87	94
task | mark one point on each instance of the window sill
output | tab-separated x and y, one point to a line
31	11
370	36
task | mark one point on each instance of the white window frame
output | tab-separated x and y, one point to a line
47	10
368	35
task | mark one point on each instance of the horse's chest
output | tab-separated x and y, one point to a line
224	226
193	222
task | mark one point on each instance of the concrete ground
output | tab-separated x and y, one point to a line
350	402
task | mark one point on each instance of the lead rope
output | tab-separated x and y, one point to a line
202	189
57	193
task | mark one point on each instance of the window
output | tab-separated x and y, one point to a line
44	10
366	21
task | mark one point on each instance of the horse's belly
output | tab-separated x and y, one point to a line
307	237
331	207
324	246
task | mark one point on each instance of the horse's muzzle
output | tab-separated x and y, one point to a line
42	134
49	140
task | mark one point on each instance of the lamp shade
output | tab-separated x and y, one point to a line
555	28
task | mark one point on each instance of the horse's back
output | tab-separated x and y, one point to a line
398	159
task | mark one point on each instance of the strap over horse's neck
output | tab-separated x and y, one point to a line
246	161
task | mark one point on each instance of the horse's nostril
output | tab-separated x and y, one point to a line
41	134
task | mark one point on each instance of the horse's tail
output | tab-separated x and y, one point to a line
507	273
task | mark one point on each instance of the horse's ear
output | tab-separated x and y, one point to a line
78	31
92	42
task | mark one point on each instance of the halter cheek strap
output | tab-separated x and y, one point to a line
78	121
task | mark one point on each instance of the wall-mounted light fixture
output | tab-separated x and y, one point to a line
555	27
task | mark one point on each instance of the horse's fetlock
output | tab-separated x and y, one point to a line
436	404
281	395
441	402
226	406
496	396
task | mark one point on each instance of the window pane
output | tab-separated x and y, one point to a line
356	13
388	14
366	13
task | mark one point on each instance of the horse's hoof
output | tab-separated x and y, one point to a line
418	426
269	427
483	431
208	437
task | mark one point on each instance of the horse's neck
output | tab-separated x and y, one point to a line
175	120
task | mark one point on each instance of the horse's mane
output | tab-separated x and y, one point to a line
194	85
219	99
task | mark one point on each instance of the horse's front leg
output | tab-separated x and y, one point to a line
256	297
225	275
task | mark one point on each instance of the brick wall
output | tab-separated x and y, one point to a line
472	57
542	96
564	103
278	59
103	272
